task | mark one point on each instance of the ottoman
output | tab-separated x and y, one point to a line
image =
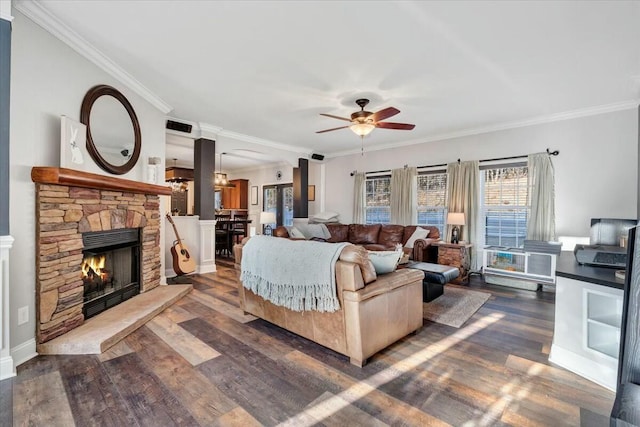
435	276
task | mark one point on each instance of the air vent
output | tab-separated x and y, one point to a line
180	127
316	156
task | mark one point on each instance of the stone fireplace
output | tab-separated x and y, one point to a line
73	207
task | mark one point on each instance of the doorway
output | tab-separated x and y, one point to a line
278	198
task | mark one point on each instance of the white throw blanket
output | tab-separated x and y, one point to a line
296	274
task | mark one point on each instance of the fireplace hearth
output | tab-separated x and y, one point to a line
110	269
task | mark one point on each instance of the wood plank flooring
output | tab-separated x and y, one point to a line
203	362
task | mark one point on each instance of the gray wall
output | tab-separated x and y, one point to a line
49	79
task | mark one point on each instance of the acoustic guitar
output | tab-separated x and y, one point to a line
182	261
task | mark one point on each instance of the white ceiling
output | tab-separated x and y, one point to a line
266	69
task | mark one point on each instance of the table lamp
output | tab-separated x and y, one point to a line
455	219
266	219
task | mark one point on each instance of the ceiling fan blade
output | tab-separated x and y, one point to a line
329	130
400	126
384	114
335	117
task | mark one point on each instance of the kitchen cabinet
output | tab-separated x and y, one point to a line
236	197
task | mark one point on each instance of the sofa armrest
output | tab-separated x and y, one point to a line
348	276
420	249
385	283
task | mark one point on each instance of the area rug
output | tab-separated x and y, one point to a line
455	306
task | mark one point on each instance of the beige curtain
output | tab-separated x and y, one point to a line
403	196
359	199
463	182
542	220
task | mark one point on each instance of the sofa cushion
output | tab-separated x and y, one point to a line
339	233
361	234
419	233
391	235
378	247
385	261
359	255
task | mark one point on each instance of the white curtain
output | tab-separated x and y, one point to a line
463	183
403	196
359	199
542	221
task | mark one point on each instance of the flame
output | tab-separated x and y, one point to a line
93	264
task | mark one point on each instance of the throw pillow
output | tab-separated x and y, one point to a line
326	216
295	233
385	261
420	233
310	231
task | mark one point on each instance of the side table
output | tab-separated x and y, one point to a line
456	255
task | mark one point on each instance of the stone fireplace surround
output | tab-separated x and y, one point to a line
69	203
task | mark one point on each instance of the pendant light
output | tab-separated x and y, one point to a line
178	182
220	179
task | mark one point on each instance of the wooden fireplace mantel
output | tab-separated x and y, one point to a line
63	176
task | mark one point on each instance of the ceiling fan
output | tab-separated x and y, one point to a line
363	122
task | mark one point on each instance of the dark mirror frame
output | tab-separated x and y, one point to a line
85	112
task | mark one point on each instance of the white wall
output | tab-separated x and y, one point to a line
596	171
49	79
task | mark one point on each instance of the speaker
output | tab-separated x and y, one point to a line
182	127
316	156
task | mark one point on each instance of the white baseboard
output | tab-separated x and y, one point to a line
204	269
24	352
587	368
7	368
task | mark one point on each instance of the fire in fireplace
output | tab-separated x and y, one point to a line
110	268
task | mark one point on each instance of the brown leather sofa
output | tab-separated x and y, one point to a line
382	237
375	311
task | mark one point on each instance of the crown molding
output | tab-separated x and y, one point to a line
205	128
567	115
5	10
41	16
265	142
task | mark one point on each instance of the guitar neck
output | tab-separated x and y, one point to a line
175	230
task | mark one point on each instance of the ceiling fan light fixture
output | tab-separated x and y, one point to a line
362	129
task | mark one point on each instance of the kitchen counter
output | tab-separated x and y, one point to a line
567	266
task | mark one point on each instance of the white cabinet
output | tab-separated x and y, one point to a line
586	335
518	264
603	316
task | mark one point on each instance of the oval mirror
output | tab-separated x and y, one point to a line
113	131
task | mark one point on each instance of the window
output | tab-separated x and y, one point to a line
504	205
432	200
378	200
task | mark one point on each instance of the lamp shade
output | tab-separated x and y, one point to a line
267	218
455	218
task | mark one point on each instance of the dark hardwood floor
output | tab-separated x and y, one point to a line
203	362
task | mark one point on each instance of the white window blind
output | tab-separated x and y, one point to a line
378	200
432	200
504	205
